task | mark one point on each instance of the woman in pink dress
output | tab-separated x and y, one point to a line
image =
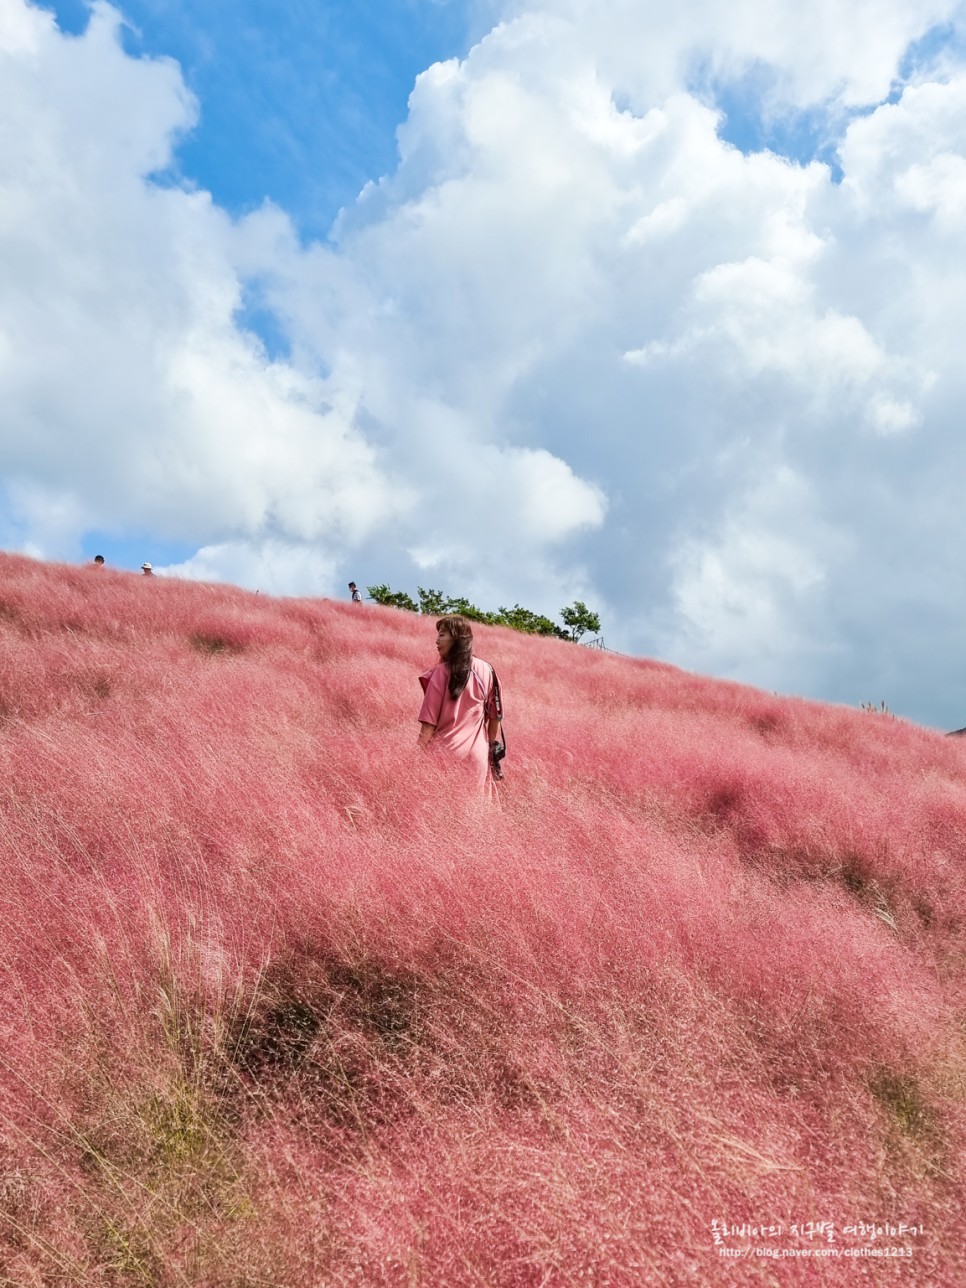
461	711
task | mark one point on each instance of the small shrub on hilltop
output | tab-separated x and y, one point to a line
881	710
284	1007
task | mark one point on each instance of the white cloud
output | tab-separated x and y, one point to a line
165	413
130	394
21	28
576	345
276	567
741	591
937	187
812	53
762	318
924	132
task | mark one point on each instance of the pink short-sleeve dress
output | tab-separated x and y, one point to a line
461	723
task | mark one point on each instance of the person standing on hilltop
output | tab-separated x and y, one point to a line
147	569
462	709
354	592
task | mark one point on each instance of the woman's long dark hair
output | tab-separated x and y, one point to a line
460	656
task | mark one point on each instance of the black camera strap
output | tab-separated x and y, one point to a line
497	696
498	704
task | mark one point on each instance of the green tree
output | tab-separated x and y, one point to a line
522	619
432	602
579	619
470	611
391	598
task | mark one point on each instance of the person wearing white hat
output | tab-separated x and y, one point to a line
147	569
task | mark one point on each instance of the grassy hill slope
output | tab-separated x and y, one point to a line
281	1008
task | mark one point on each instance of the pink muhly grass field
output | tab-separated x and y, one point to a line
281	1007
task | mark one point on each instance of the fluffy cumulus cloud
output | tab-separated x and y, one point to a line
133	395
576	344
130	395
801	55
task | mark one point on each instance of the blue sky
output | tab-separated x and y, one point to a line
299	104
299	100
527	300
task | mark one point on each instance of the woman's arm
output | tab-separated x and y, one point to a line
434	691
